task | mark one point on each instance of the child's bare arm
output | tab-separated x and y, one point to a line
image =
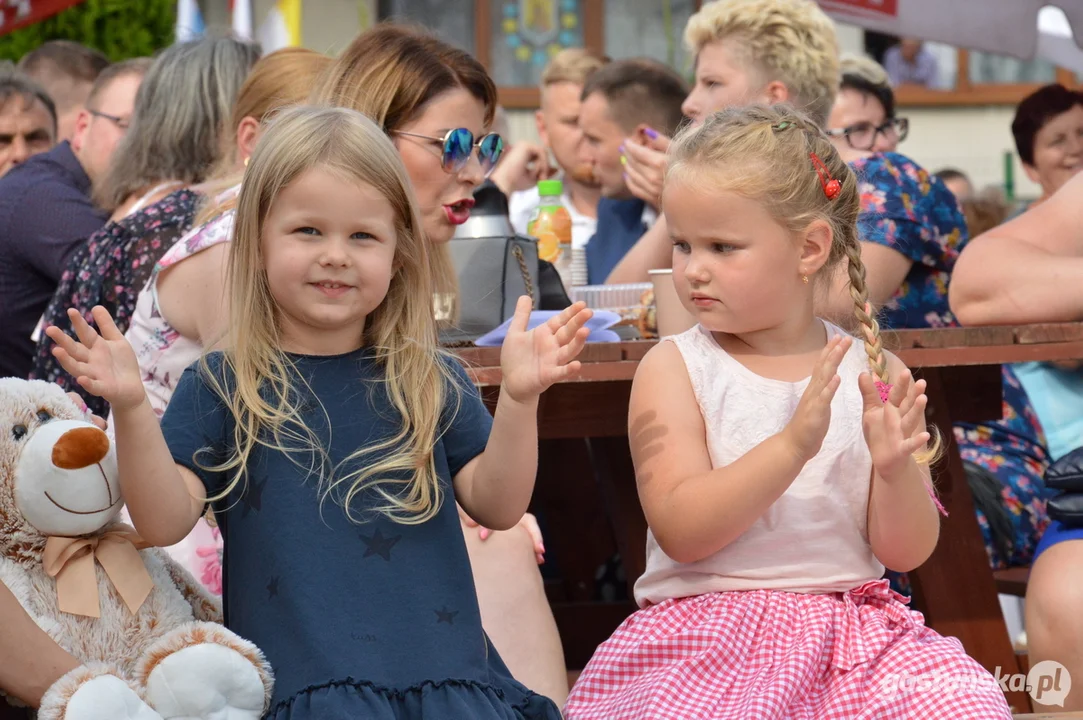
693	510
165	500
495	487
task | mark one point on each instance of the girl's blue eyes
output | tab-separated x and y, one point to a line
722	248
314	232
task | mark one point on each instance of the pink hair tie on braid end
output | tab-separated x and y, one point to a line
884	390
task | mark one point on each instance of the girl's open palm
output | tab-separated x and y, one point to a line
812	418
891	432
532	360
104	364
909	397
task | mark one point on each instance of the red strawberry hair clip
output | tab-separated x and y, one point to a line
831	186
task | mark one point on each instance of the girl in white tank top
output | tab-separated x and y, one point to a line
779	469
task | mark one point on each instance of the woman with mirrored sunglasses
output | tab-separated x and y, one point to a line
457	144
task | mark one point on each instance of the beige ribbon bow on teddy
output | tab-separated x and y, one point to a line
71	561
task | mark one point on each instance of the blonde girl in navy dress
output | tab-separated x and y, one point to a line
332	438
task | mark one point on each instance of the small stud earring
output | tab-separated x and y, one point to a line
804	279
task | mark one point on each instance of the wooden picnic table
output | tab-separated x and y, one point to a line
583	428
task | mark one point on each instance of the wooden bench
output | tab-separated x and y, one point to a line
585	456
1012	581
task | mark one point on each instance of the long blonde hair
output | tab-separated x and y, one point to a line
764	153
257	382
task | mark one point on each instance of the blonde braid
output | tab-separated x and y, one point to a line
874	348
859	291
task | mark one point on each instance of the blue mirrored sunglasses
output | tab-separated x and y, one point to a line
457	145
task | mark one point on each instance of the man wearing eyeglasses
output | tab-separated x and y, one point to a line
46	211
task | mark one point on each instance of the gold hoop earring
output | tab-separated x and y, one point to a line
246	161
804	279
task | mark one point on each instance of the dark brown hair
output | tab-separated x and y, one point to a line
393	70
640	90
14	83
1035	111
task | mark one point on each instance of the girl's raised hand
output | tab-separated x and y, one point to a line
532	360
104	364
909	397
808	426
886	427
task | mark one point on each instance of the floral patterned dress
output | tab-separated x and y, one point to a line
109	270
905	208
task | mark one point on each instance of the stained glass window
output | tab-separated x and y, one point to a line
526	33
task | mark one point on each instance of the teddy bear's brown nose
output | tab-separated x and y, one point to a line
80	448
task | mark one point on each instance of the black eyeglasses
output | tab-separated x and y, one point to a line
862	136
120	122
457	145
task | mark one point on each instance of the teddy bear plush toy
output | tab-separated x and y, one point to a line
144	629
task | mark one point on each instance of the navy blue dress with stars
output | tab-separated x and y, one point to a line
374	620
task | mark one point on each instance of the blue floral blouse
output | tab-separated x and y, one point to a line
905	208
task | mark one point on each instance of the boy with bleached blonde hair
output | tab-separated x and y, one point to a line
746	52
780	50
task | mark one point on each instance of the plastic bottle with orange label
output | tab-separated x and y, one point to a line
552	226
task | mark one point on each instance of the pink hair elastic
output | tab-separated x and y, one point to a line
885	389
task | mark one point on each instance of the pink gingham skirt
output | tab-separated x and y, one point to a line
769	654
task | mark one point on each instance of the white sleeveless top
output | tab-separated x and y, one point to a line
813	539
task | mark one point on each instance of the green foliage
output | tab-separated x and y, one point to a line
121	29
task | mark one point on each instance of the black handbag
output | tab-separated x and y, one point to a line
495	266
1066	473
551	292
1067	508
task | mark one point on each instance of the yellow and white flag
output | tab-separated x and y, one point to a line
282	28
